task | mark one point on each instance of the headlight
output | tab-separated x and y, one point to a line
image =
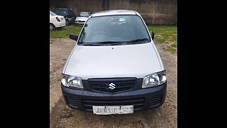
154	79
71	81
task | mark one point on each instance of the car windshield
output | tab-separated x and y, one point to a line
114	30
84	14
61	12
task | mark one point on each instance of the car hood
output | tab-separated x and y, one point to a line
136	60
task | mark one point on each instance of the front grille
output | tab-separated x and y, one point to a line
112	85
138	103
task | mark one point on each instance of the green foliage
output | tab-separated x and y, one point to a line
166	35
65	31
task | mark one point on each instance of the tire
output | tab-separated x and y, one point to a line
52	27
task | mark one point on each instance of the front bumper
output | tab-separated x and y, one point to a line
141	99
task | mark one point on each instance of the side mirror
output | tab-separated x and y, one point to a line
73	37
152	35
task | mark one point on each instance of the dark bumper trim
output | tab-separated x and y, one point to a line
149	94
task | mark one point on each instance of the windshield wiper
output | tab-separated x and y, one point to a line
138	40
106	43
103	43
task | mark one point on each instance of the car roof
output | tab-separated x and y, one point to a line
114	12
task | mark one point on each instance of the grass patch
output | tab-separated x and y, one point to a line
170	49
65	31
164	33
174	45
159	38
167	35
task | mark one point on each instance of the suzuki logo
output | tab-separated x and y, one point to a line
112	86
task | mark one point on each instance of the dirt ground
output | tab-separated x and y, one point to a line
62	116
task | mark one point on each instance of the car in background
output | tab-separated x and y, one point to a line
82	18
56	21
68	14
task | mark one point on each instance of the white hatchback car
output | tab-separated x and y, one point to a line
56	21
114	67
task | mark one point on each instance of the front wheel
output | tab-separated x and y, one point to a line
52	27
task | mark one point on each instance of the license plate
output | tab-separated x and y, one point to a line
107	110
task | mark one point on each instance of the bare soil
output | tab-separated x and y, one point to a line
62	116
